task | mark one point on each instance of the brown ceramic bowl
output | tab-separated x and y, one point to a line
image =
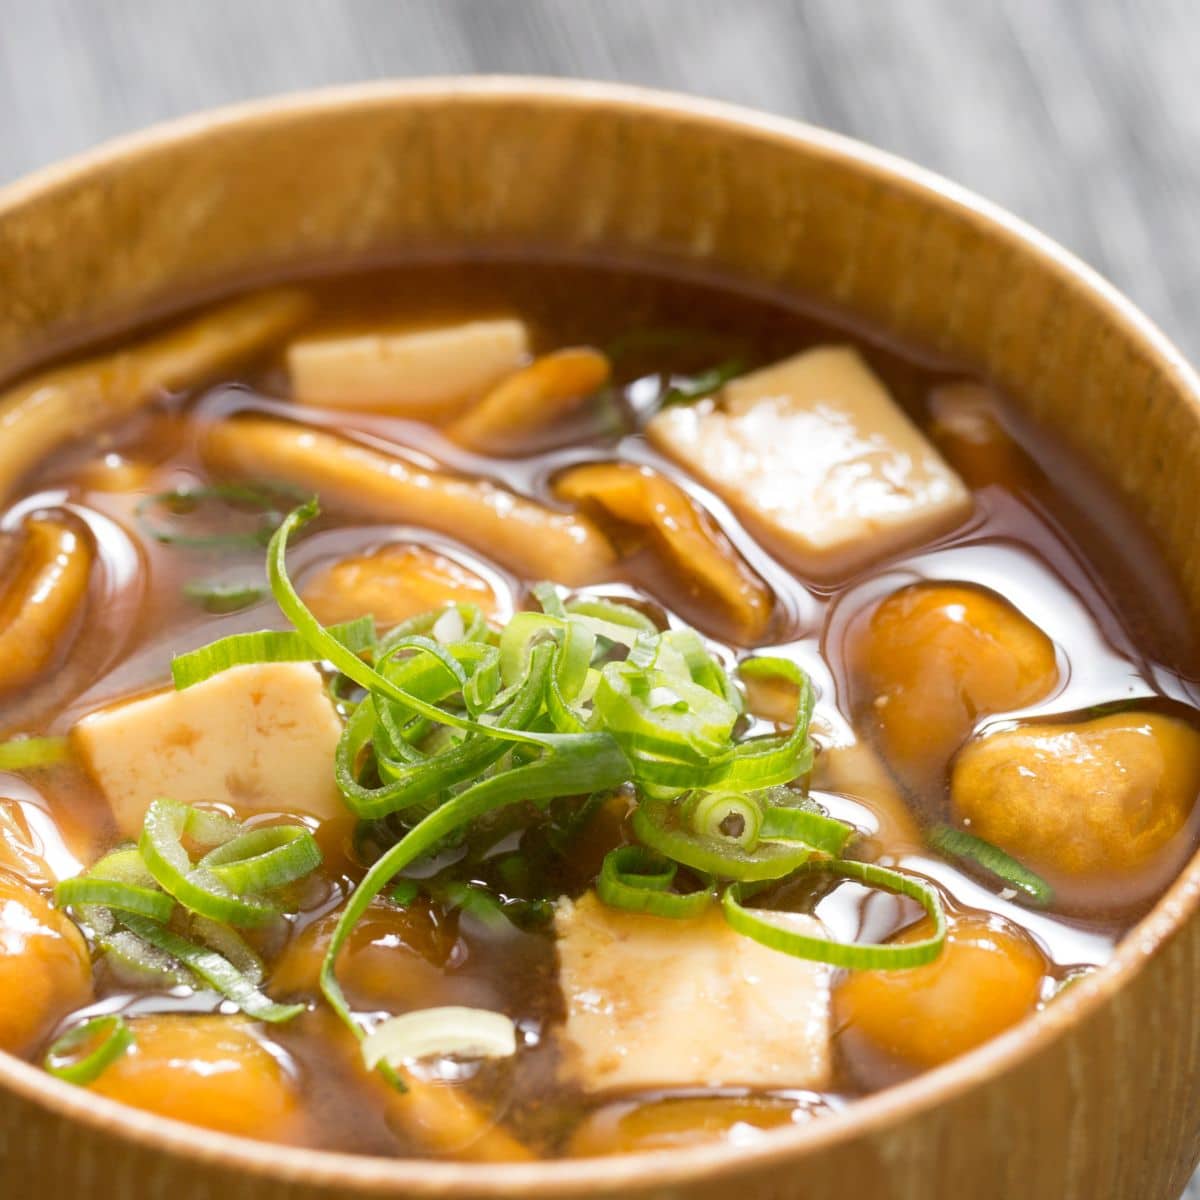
1097	1098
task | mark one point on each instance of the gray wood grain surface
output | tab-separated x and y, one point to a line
1082	116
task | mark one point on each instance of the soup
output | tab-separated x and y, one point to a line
498	710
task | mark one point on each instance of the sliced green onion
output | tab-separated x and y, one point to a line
110	893
260	860
449	627
135	963
683	652
521	635
229	944
612	619
325	646
121	901
216	597
163	516
410	785
118	881
197	888
23	754
721	817
473	900
962	845
404	892
593	763
767	761
804	826
638	880
215	970
265	646
664	826
653	712
449	1032
84	1052
547	596
687	389
475	624
862	956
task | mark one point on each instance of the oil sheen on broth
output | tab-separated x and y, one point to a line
1003	672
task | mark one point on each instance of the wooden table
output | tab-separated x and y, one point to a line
1082	116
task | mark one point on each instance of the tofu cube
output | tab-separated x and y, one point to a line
817	458
425	374
653	1002
260	738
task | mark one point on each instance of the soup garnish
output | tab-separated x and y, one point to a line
510	710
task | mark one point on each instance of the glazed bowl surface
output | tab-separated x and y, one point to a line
1098	1096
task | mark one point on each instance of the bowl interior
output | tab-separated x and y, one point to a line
485	165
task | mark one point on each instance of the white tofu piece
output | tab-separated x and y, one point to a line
422	373
814	454
653	1002
260	738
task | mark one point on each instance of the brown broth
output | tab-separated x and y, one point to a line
1060	546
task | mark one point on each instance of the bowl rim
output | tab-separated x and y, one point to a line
581	1177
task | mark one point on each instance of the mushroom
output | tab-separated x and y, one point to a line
55	406
47	588
524	535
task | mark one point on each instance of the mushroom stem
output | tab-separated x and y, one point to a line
536	541
48	585
55	406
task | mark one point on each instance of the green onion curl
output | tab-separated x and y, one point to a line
263	859
219	597
265	646
592	762
118	881
215	970
732	817
639	880
962	845
23	754
85	1051
758	924
163	514
196	886
666	826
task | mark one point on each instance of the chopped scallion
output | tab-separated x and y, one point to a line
24	754
962	845
83	1053
215	970
665	826
113	893
795	825
199	518
260	860
759	924
216	597
131	898
687	389
265	646
733	817
449	1032
197	887
639	880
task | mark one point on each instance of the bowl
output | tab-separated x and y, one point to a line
1099	1096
